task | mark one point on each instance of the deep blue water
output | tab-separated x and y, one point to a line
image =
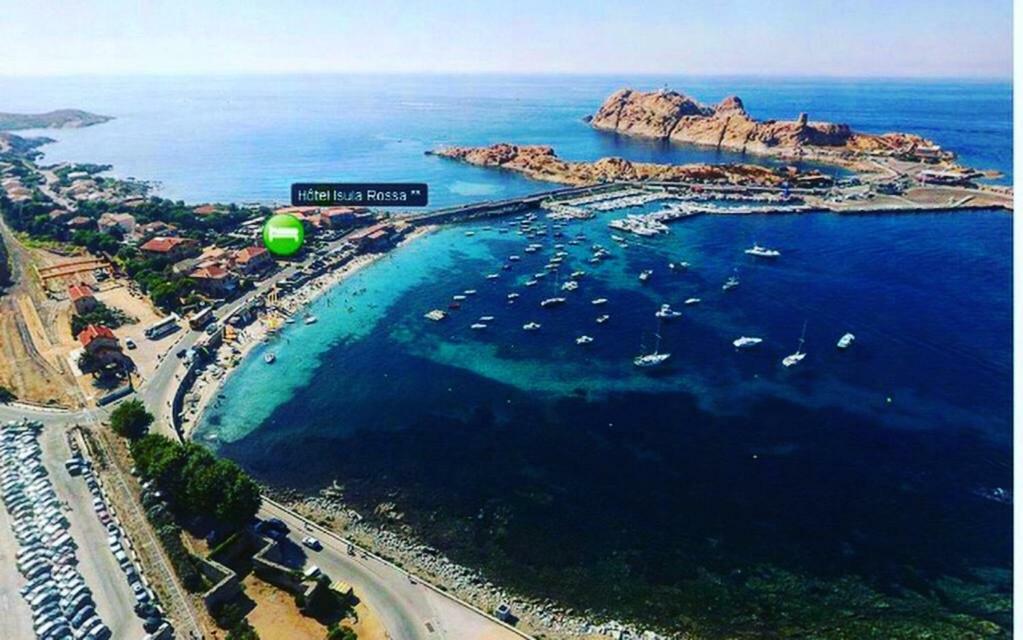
563	470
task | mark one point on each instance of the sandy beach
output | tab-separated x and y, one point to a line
231	353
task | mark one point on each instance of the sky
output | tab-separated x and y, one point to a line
865	38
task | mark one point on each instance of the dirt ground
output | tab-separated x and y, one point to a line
275	616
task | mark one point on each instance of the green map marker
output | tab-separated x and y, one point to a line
283	234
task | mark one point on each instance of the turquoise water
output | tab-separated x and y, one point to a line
852	496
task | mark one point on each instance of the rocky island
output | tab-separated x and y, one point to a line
669	115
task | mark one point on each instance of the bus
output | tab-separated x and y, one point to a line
163	327
201	318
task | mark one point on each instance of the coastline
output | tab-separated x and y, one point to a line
229	355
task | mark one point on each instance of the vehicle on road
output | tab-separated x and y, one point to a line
312	543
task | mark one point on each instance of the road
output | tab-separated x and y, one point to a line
408	608
114	599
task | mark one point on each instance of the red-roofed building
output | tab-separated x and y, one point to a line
206	210
101	344
253	260
169	247
214	280
81	297
341	217
373	238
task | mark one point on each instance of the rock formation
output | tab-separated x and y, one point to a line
541	163
670	115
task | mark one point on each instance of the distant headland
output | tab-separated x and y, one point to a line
59	119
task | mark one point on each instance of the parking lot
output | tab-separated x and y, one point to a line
75	572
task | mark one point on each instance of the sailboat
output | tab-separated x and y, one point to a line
653	358
797	357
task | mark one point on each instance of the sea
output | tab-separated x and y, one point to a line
863	493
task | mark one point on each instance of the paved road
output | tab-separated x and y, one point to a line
408	609
110	590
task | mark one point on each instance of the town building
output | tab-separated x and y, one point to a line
82	298
101	343
215	281
253	260
125	222
170	247
377	237
81	223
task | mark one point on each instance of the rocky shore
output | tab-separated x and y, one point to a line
540	162
537	616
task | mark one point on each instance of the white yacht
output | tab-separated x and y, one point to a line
745	342
797	357
514	258
666	312
493	276
486	318
692	301
846	341
269	357
645	275
602	319
531	326
458	298
469	292
513	295
599	301
310	319
571	285
653	358
550	302
762	252
575	275
583	340
531	283
478	326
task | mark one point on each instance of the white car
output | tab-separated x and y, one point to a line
312	543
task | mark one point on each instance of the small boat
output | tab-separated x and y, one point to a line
797	357
666	312
583	340
513	295
455	305
458	297
531	326
762	252
746	342
469	234
550	302
469	292
617	238
493	276
435	315
645	275
678	266
599	301
531	283
571	285
486	318
731	283
478	326
269	358
514	258
289	321
846	341
542	274
602	319
575	275
310	319
692	301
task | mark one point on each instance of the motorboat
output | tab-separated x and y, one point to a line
531	326
762	252
583	340
846	341
745	342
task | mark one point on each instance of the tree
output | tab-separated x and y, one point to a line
337	632
131	419
6	395
242	631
